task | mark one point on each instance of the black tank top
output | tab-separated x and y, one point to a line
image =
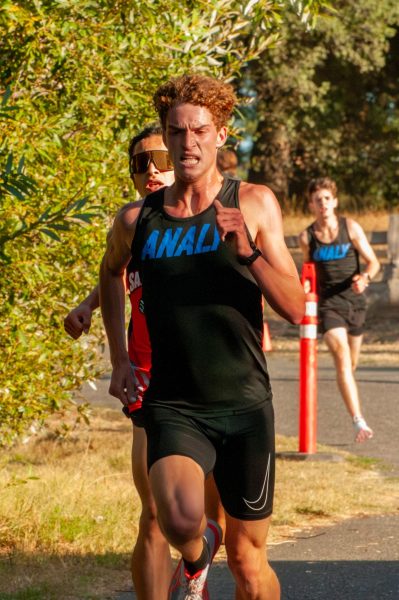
203	311
336	263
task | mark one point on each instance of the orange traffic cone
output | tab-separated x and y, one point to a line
267	340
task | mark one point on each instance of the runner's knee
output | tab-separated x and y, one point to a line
342	358
181	522
180	530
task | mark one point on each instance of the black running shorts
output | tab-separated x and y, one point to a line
239	449
349	317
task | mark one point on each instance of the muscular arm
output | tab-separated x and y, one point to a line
275	270
112	299
361	243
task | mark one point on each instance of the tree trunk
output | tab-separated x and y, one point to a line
271	160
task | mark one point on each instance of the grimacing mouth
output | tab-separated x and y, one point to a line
189	158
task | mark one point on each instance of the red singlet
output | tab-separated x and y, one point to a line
139	347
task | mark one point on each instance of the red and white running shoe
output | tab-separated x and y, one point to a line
194	587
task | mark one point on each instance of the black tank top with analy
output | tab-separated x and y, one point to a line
203	311
336	263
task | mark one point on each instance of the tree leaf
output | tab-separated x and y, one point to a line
8	167
51	234
21	165
14	191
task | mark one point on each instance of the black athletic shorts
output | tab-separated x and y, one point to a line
349	317
239	449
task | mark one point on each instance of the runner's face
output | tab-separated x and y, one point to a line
153	179
322	203
192	140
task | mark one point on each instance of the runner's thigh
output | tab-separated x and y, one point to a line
245	465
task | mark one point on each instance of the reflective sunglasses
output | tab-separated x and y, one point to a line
139	163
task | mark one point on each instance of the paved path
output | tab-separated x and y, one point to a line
358	558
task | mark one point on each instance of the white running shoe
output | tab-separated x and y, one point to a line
194	587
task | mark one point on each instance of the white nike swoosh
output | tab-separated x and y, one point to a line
252	504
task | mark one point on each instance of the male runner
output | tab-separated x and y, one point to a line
208	405
334	244
150	170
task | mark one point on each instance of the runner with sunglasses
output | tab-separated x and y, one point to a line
208	247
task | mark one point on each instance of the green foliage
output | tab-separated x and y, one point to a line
76	78
32	379
327	103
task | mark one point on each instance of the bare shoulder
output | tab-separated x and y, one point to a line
262	215
128	214
258	202
355	230
255	193
123	228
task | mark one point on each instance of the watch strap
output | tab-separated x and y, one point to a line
248	260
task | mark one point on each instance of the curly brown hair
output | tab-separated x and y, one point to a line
322	183
218	97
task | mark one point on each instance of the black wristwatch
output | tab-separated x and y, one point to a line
248	260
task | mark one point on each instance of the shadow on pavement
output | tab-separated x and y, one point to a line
338	580
321	580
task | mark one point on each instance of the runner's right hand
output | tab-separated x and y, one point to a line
122	382
77	321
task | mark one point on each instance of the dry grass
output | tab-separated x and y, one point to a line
68	513
70	495
68	509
